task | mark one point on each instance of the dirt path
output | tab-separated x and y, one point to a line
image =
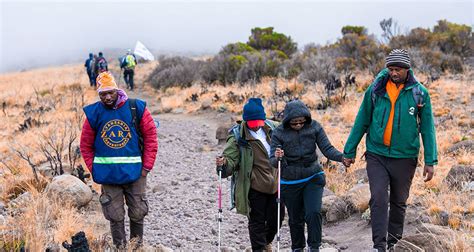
182	193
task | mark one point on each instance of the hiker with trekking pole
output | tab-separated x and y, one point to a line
219	206
293	152
246	159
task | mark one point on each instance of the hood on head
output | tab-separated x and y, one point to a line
295	109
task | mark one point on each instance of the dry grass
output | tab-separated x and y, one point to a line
44	221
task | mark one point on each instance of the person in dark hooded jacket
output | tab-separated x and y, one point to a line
302	178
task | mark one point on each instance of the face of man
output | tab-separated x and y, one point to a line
109	98
398	75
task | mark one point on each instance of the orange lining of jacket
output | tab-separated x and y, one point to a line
393	93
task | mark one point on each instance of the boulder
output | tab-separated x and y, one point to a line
459	176
423	242
361	175
334	208
327	192
429	237
160	248
206	104
69	188
358	197
466	145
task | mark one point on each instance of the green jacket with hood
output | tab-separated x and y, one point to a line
243	164
373	116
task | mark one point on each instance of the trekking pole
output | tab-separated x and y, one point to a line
219	205
278	202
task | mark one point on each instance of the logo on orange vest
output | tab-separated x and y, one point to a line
115	134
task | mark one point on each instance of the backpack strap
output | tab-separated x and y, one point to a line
136	122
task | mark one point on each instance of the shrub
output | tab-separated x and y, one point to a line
175	72
357	30
267	39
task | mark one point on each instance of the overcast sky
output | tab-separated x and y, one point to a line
35	33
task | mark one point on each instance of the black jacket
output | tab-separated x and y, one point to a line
300	160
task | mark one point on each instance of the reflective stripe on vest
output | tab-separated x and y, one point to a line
117	160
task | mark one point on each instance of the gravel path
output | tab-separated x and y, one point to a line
182	190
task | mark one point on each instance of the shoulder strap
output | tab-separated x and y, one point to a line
270	124
418	96
135	121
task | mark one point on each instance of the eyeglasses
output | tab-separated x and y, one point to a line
297	123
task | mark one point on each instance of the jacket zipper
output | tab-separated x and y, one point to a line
383	117
399	116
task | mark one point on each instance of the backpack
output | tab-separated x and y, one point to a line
136	122
235	130
129	62
418	97
102	65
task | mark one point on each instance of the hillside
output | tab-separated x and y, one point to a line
44	106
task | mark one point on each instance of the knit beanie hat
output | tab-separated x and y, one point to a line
105	82
398	58
253	110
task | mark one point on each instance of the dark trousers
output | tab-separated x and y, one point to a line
91	78
303	203
263	218
128	77
112	200
395	174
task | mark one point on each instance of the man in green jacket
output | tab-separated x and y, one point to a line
248	157
396	109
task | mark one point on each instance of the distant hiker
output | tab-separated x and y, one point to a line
88	66
119	146
94	70
302	177
246	156
101	63
129	61
395	110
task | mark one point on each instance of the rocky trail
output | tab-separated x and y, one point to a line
182	195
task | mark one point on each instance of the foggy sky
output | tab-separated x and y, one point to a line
38	33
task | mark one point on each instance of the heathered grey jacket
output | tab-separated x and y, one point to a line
300	160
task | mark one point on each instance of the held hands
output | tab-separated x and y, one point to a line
348	161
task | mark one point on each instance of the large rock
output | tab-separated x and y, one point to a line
358	197
222	132
466	145
459	175
423	242
69	188
429	237
361	175
334	208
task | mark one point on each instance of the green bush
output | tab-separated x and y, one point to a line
358	30
267	39
175	72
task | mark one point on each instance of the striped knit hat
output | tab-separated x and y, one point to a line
399	58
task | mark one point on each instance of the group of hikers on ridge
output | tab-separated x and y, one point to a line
98	64
119	146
